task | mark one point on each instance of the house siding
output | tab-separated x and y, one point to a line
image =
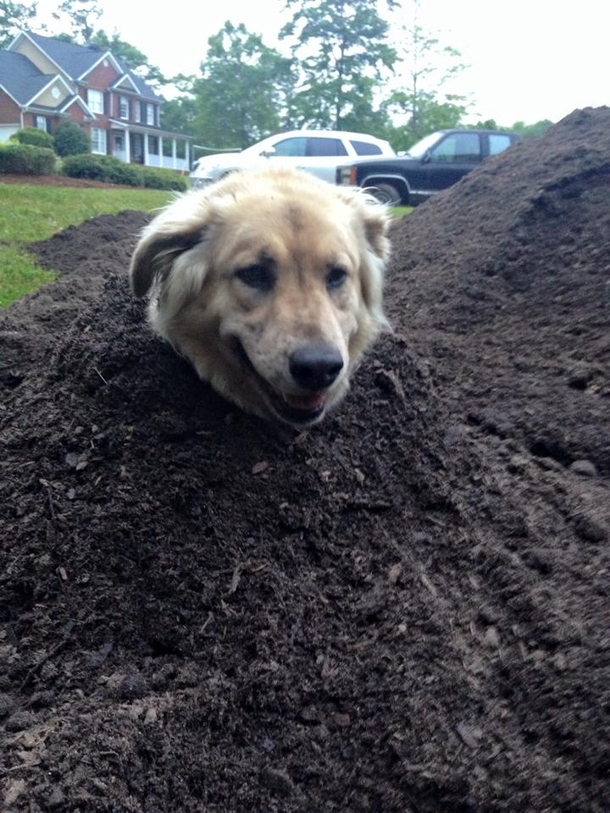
132	138
35	55
10	113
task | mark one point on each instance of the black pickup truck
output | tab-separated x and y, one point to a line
434	163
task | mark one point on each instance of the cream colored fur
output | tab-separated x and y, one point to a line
267	282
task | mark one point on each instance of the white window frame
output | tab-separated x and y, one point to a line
150	114
137	111
99	141
41	123
95	100
124	108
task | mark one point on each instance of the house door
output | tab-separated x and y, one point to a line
136	143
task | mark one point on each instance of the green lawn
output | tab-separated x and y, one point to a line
30	212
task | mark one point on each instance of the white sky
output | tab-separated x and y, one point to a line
529	59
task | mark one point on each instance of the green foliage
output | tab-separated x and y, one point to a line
243	88
14	18
33	136
25	159
527	130
131	55
157	178
432	115
343	54
425	66
81	17
71	139
107	169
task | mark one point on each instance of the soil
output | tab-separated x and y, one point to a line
403	610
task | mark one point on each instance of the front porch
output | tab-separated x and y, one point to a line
150	148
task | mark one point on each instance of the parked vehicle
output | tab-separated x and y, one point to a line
434	163
317	151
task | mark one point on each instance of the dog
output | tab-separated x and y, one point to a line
270	282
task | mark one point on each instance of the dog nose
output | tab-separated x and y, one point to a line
316	367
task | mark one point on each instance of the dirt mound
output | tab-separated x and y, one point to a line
404	609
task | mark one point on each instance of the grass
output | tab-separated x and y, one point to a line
30	212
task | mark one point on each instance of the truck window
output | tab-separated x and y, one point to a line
364	148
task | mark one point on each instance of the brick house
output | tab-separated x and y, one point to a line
44	81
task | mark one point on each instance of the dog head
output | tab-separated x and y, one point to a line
270	283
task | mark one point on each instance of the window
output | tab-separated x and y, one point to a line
458	148
291	147
119	142
137	111
364	148
150	114
168	150
95	101
123	108
498	142
98	141
325	146
153	145
41	123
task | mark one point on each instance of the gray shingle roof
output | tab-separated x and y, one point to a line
77	60
20	77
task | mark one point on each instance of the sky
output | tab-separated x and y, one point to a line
528	60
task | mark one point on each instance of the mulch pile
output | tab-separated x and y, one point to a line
405	609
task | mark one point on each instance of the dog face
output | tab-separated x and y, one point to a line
270	283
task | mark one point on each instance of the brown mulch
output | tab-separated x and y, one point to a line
403	610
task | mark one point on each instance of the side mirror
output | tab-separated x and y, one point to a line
426	157
269	152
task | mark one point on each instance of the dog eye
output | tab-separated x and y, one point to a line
335	278
259	277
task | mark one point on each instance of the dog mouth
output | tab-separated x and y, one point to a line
289	407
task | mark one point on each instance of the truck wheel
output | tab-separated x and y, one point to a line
386	193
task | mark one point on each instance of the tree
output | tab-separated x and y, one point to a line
82	16
13	18
342	48
131	55
426	64
241	95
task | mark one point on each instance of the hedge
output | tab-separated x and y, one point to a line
108	169
24	159
34	137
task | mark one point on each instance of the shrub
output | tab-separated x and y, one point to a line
108	169
71	139
101	168
154	178
25	159
34	137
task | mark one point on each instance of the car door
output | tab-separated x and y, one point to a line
322	155
450	159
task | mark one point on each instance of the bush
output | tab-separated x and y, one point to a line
71	139
34	137
154	178
108	169
25	159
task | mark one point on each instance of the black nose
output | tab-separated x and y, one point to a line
316	367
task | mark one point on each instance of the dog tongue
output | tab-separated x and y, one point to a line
305	403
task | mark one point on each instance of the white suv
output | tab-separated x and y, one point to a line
316	151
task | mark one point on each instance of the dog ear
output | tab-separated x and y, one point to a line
376	226
178	228
154	257
374	217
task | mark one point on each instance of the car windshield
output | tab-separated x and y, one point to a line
418	149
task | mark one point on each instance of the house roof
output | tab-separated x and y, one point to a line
21	78
78	60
